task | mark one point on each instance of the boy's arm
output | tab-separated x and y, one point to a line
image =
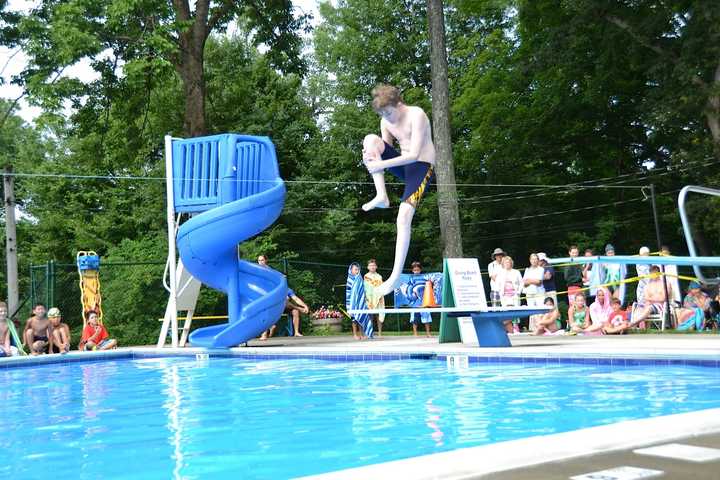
420	126
385	133
28	326
298	301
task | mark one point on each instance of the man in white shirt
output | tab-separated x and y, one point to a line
494	268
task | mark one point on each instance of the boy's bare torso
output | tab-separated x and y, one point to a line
413	122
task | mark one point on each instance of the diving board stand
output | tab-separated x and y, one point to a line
465	315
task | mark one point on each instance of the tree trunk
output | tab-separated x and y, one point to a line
192	75
13	294
450	234
189	63
712	114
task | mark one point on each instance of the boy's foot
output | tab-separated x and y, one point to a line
298	334
377	202
356	337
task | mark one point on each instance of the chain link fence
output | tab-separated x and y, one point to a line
134	299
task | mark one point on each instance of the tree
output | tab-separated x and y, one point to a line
143	36
450	233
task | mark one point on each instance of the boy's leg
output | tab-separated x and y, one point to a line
375	145
29	337
107	345
355	330
379	324
402	243
56	341
427	329
296	322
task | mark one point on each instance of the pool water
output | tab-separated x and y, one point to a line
182	418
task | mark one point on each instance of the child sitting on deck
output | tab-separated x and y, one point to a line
548	323
617	320
6	349
578	315
95	336
60	332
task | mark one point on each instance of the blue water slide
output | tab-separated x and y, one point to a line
233	185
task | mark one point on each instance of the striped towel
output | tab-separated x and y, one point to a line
355	299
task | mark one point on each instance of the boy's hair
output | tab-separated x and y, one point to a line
615	301
549	299
415	264
3	304
589	250
39	304
579	294
372	260
90	312
385	96
575	247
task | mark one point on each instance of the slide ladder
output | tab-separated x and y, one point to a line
232	183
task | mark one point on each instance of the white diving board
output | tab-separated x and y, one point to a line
641	260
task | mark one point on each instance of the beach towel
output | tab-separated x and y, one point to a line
600	312
355	299
372	281
598	275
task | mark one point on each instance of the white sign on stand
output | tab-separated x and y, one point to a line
468	291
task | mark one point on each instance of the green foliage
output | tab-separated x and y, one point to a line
542	93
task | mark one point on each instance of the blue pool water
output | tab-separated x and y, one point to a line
179	418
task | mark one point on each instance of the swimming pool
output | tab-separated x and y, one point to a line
182	418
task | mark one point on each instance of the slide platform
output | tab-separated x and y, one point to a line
249	196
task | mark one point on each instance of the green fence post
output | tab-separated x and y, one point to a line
32	285
285	266
51	285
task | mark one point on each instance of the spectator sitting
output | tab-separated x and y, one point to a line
578	314
617	322
95	336
37	331
599	312
294	306
548	323
60	332
6	349
696	305
654	298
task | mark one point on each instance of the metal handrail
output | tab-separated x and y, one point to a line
688	231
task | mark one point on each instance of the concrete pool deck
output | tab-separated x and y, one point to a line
562	455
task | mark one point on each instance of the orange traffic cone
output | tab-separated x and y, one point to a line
429	296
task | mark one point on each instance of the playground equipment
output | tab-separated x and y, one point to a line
88	264
232	184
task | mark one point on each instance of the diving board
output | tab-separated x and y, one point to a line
465	314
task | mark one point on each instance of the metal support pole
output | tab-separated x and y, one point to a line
13	292
172	255
659	246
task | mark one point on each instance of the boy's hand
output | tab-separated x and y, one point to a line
375	166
